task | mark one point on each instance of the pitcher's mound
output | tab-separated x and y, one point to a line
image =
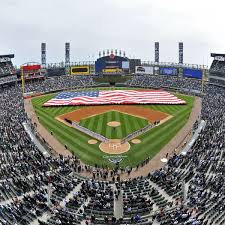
114	146
114	124
92	142
136	141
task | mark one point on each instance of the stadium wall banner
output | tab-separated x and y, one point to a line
31	71
144	70
31	67
169	71
192	73
80	70
112	70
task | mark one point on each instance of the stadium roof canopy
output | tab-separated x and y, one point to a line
217	54
11	56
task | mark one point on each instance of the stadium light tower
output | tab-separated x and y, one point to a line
157	52
181	52
43	55
67	56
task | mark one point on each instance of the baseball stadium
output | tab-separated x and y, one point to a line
117	140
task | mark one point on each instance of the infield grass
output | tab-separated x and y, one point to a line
77	142
129	124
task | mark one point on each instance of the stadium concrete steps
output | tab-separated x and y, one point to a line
43	218
8	201
46	216
118	206
70	195
161	191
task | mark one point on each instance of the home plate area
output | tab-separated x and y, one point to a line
114	146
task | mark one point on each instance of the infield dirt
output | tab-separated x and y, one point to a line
87	112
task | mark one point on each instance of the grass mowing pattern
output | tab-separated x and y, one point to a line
152	141
129	124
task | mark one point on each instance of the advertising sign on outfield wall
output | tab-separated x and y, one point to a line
80	70
144	70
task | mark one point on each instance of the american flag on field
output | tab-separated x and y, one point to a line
114	97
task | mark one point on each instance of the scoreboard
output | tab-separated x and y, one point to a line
113	63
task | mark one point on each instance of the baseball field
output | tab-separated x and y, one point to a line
114	123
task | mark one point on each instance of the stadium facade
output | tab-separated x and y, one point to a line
39	186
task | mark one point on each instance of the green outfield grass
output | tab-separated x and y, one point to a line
77	142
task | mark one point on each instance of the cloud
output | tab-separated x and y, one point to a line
131	25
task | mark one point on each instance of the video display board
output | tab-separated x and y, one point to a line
192	73
112	63
169	71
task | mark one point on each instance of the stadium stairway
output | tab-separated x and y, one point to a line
31	193
161	191
118	206
47	216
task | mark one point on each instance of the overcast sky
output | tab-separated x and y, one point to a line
130	25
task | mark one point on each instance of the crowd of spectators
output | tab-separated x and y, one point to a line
189	189
218	66
58	83
6	68
6	79
217	73
162	81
